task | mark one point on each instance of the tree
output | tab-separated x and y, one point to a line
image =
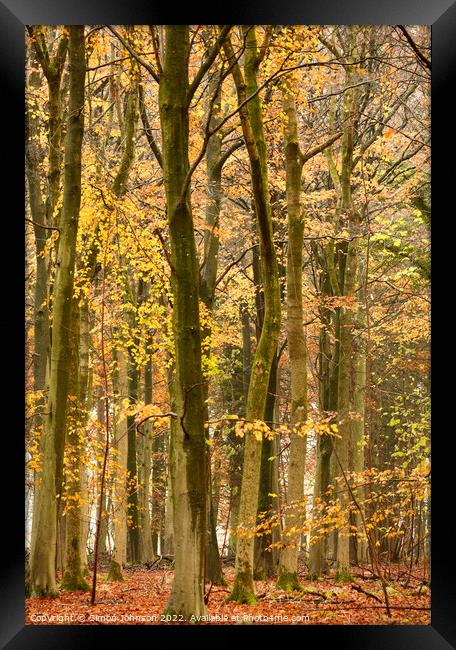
42	568
188	448
252	127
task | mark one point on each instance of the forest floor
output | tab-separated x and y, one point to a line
142	597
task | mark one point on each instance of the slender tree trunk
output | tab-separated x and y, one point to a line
263	562
84	521
237	444
42	209
73	579
252	126
344	414
43	582
102	538
125	429
85	392
288	562
120	444
158	494
348	272
213	570
264	565
145	532
167	542
159	487
188	447
34	159
132	465
359	380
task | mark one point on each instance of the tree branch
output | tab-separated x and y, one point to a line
147	130
321	147
206	64
415	47
134	54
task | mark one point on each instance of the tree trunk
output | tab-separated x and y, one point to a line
132	466
288	562
327	402
42	209
237	444
252	126
145	442
343	443
188	446
73	579
85	392
264	565
167	542
43	582
126	429
120	444
358	408
101	404
213	570
348	272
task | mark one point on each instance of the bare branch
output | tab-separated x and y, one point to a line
210	58
134	54
415	47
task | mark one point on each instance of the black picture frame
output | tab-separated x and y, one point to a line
14	15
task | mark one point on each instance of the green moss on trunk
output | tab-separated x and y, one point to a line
115	572
243	591
71	582
44	592
343	575
288	582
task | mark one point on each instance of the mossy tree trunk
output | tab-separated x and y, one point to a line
119	188
44	547
188	463
42	207
288	562
343	443
34	160
73	579
319	542
52	64
252	126
215	159
159	476
158	492
263	559
267	503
